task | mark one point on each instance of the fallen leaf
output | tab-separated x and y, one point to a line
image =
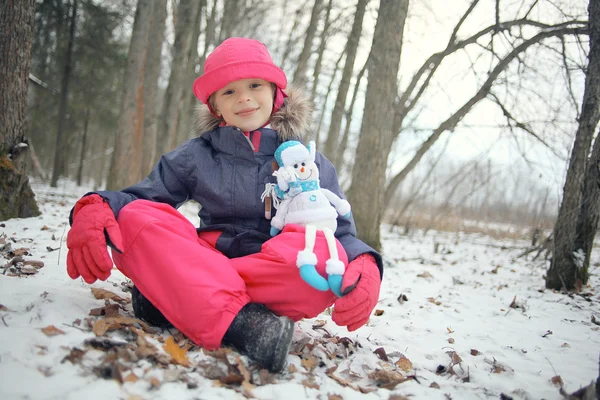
454	357
74	356
44	228
451	340
113	323
310	383
23	251
388	379
425	275
131	378
557	380
381	354
449	330
378	313
475	352
434	385
310	362
51	330
293	369
105	294
111	310
178	354
404	364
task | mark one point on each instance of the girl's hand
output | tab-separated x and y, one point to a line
360	289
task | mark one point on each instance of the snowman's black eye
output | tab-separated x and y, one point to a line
304	164
295	165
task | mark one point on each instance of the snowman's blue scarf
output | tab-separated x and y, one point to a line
297	187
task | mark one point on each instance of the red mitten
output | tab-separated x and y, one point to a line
353	309
93	224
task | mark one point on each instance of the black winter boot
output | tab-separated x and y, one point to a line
260	334
144	310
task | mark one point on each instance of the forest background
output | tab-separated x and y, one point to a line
436	117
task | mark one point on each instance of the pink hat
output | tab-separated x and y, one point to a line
238	58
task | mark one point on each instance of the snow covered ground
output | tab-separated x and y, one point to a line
468	321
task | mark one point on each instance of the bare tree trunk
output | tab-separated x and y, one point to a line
156	38
589	213
186	14
331	144
83	144
232	9
292	31
565	270
59	153
126	164
321	52
187	115
302	64
16	25
349	112
329	88
368	174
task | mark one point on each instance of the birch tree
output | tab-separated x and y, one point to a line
302	64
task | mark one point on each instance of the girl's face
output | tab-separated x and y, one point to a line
245	103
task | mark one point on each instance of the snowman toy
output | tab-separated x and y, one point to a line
301	201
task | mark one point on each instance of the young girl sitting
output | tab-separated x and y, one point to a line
227	282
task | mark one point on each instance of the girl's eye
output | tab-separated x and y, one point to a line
227	92
255	85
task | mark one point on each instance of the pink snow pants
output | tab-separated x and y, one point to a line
197	288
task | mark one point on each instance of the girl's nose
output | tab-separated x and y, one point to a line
243	97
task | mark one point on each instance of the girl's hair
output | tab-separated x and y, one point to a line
213	104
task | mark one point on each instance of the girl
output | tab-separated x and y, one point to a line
227	282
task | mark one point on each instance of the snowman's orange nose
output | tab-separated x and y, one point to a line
302	169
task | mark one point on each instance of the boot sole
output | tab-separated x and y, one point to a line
282	348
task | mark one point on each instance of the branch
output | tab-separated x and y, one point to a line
455	118
404	105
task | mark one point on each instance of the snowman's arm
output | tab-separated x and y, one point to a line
278	220
342	206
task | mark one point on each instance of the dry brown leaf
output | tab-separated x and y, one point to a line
475	352
177	353
451	340
310	383
381	354
51	330
111	310
319	323
44	228
131	378
23	251
334	397
113	323
404	364
557	380
310	362
449	330
75	356
388	379
425	274
454	357
105	294
378	313
434	385
3	307
154	382
293	368
398	397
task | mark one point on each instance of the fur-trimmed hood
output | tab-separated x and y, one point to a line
292	121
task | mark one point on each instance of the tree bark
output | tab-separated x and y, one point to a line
321	52
187	115
59	152
126	164
566	271
151	114
368	174
167	138
302	64
16	25
331	144
83	145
